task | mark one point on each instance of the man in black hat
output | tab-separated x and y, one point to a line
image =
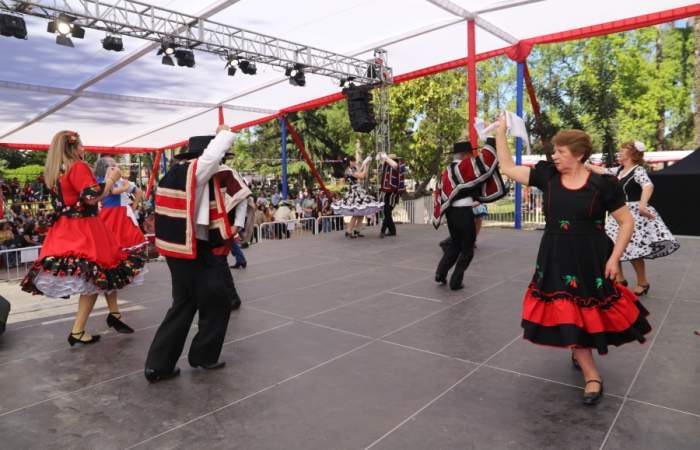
192	229
467	179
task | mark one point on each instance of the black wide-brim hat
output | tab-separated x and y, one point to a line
195	147
462	147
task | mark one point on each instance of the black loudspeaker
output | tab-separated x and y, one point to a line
4	312
360	108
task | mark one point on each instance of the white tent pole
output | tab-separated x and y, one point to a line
482	23
146	49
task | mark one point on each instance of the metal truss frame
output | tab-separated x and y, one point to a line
144	21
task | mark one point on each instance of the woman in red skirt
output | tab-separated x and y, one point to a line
573	300
79	255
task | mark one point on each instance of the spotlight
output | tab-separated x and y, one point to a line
296	75
63	26
184	58
11	25
167	48
247	67
230	66
113	43
344	81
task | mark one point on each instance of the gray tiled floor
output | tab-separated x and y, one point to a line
349	344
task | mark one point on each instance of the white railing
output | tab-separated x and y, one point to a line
15	262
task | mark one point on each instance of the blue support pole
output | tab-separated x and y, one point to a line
519	145
163	164
283	128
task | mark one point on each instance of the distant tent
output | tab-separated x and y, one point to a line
677	193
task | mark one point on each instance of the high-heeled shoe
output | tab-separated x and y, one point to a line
72	339
644	291
592	398
350	235
114	321
623	282
357	233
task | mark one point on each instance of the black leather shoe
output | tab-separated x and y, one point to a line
115	322
440	279
77	338
236	266
236	304
592	398
154	376
457	288
214	366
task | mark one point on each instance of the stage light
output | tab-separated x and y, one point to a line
167	48
344	81
63	26
113	43
11	25
247	67
184	58
296	75
231	66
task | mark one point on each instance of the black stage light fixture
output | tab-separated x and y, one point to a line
113	43
11	25
167	49
184	57
296	75
360	108
344	81
247	67
63	27
230	65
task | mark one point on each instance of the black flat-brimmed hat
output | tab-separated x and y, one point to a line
195	147
462	147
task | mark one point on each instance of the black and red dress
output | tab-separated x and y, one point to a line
570	302
79	254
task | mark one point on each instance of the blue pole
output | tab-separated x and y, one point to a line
519	144
163	164
283	128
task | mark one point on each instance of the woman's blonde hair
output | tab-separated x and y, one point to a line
62	153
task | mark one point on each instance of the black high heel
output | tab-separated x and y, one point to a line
357	233
350	235
645	290
624	283
79	340
115	322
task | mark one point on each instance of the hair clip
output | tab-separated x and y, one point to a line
640	146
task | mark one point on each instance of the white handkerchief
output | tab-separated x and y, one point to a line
516	127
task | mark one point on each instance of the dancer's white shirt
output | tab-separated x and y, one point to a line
207	166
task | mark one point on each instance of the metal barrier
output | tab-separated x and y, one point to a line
502	212
15	262
328	224
296	228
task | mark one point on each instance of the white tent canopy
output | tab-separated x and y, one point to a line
131	99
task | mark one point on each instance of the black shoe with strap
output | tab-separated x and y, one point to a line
114	321
644	291
592	398
77	338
